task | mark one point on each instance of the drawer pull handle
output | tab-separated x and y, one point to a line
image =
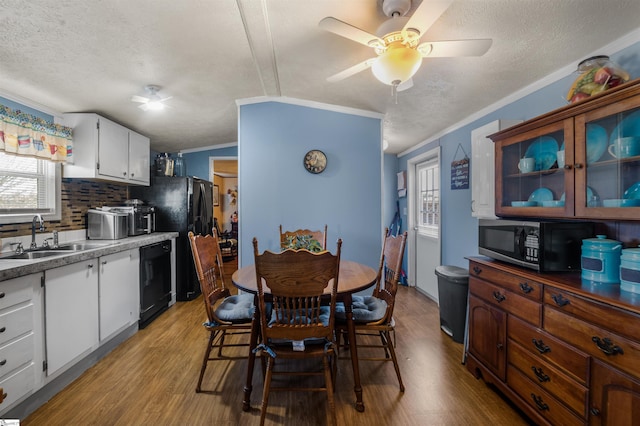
3	329
3	362
1	295
540	346
542	406
498	296
540	374
477	270
595	411
560	300
607	346
526	288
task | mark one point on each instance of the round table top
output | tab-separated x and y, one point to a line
353	277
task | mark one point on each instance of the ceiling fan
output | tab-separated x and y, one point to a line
396	43
152	102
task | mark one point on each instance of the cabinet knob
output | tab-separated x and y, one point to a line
578	165
594	411
499	296
3	362
540	374
567	166
477	270
526	288
607	346
3	329
560	300
542	406
90	265
1	295
132	174
104	262
540	346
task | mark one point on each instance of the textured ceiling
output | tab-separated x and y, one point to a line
91	55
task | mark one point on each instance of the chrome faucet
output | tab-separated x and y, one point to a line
37	218
45	243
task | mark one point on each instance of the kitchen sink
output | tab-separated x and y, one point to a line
30	255
80	246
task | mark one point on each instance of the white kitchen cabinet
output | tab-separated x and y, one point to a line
71	313
21	338
139	151
103	149
119	284
483	168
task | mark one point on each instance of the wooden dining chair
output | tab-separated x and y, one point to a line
295	319
373	315
314	241
227	314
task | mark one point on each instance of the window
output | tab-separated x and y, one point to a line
28	186
428	198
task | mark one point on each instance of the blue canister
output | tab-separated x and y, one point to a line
630	270
600	260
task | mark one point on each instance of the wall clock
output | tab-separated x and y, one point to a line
315	161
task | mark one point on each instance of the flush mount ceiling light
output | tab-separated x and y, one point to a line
153	101
397	42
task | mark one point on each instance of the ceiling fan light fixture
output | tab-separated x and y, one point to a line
397	65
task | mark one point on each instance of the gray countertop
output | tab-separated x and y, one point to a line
10	268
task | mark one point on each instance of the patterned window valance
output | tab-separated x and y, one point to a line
26	134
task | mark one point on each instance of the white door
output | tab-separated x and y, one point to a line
424	220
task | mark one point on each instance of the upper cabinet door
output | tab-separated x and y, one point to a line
531	180
608	147
139	152
113	149
581	160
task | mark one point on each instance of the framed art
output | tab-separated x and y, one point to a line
216	195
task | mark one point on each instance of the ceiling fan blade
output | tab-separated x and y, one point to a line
165	99
144	107
345	30
140	99
351	71
447	49
426	14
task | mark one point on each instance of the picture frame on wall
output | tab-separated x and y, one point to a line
216	195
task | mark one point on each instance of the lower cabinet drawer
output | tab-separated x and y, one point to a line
550	378
510	302
14	322
615	350
548	348
17	385
542	401
16	353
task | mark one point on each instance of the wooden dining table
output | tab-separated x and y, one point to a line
353	277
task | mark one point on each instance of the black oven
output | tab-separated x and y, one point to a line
543	246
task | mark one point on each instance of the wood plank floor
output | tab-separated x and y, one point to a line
151	378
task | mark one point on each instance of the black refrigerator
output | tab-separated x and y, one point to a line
182	204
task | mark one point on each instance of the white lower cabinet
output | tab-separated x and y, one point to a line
119	292
71	313
20	328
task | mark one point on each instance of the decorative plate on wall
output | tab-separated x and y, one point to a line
315	161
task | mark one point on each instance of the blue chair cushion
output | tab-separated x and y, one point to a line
324	317
237	308
365	309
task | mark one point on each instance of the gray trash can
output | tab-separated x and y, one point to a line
453	283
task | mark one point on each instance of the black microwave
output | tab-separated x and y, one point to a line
543	246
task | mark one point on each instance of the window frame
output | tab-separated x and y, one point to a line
53	183
434	187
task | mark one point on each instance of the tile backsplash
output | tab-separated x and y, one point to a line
77	196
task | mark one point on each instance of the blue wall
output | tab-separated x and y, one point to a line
459	229
275	188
